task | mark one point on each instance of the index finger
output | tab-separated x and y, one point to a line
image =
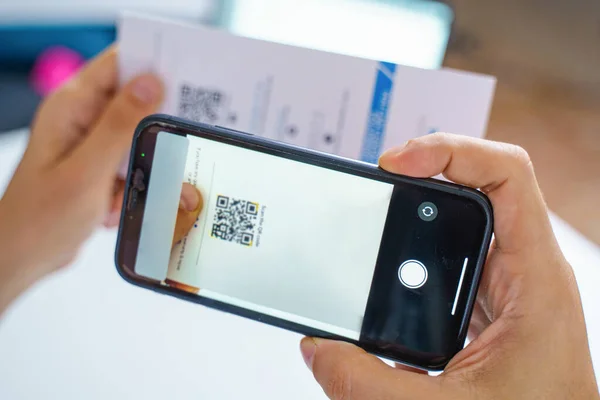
503	171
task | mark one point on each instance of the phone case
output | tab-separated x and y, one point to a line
185	127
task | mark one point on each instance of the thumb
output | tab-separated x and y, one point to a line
106	145
347	372
190	207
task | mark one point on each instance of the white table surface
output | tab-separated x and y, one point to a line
87	334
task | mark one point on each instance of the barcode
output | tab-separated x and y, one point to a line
200	104
235	220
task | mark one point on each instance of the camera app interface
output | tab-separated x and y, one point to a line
275	236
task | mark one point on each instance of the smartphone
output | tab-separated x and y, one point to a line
317	244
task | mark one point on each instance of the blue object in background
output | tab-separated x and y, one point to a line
374	135
21	44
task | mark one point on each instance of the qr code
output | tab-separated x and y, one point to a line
235	220
200	104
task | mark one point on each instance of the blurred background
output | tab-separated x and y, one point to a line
545	55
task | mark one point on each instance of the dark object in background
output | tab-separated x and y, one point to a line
18	101
20	46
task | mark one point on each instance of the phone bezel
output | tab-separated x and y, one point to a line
183	127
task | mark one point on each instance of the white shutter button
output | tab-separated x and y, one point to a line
412	274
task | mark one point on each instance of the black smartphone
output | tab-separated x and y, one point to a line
310	242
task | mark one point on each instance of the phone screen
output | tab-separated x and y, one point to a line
313	246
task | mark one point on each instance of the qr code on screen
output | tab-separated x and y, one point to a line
200	104
235	220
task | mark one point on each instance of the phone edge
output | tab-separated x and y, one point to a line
479	197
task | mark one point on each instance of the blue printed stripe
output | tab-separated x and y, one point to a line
373	140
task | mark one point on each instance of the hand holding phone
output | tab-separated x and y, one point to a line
528	335
313	243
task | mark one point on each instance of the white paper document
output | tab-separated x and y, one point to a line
338	104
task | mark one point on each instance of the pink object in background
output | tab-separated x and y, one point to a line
53	67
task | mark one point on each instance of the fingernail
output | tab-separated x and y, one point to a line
190	198
395	150
147	89
308	348
114	218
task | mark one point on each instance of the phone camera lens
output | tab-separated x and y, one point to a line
428	211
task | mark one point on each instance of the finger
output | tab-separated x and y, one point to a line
112	219
66	115
479	320
501	170
106	146
345	371
114	213
190	207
